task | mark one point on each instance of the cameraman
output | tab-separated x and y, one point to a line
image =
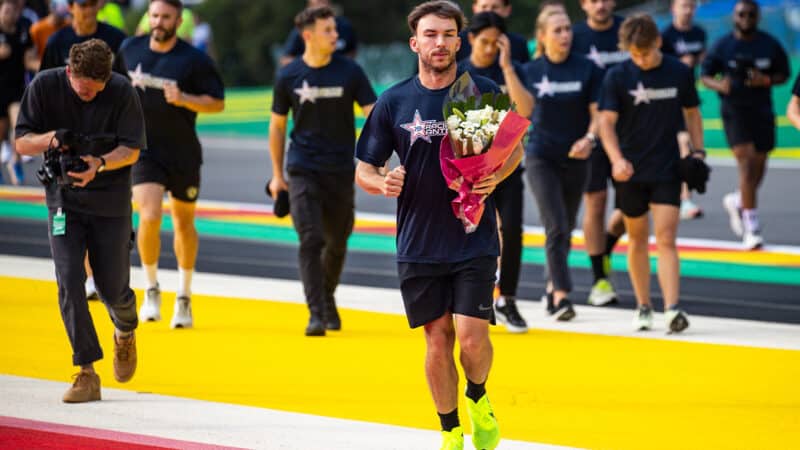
91	208
749	63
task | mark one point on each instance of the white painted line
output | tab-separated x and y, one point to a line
590	320
213	423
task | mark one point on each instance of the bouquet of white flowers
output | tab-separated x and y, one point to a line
482	132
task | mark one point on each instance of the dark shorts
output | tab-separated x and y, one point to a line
744	125
183	185
634	197
9	96
599	170
431	290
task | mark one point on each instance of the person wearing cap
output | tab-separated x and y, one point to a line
175	81
319	89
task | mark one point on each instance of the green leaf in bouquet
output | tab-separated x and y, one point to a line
458	113
486	100
502	102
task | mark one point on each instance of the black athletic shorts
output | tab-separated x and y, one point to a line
743	125
634	197
183	184
431	290
599	170
9	96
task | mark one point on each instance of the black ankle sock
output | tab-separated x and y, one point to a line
598	268
611	241
449	420
475	391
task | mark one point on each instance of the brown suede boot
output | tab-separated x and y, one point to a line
86	388
124	358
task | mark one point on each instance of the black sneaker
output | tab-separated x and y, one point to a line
332	320
316	327
508	315
563	311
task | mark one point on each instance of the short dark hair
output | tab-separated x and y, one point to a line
177	4
91	59
505	2
484	20
309	16
638	31
752	3
441	8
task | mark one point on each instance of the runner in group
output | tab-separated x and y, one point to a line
643	104
565	84
598	39
446	275
685	40
491	57
742	67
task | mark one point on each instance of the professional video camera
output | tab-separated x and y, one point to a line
58	161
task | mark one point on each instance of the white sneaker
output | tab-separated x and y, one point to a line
643	318
734	213
690	210
677	320
182	314
151	308
753	240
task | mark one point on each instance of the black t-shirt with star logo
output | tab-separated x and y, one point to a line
408	119
601	47
12	68
733	57
679	43
50	103
650	105
563	90
321	101
56	52
171	135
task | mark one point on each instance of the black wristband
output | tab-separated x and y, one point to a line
102	166
700	151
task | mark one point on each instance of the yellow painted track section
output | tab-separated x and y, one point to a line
561	388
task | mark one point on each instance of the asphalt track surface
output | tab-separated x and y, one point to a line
236	170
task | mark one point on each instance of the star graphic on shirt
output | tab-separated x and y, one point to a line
681	47
137	77
595	56
417	128
545	87
639	94
306	93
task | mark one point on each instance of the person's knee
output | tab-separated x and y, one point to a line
474	343
440	337
666	238
184	226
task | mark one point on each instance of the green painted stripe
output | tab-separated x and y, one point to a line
365	242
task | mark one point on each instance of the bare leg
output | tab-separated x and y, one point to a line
186	241
476	348
638	261
440	365
665	222
149	197
593	222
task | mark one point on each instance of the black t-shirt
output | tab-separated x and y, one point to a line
347	42
650	106
171	136
679	43
12	69
493	72
519	47
56	52
733	57
50	103
407	119
601	47
563	93
321	100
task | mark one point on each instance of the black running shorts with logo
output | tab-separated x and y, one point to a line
746	124
634	197
431	290
599	171
184	185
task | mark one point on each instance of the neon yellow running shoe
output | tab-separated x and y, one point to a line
453	439
485	432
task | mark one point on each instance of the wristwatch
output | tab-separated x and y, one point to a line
102	164
592	139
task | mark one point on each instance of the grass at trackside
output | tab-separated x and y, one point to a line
247	116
